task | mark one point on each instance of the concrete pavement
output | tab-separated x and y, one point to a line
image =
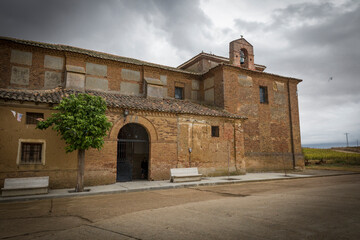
142	185
302	208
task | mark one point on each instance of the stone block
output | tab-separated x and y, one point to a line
154	91
75	69
209	95
245	81
130	75
52	79
96	69
194	95
93	83
75	81
209	83
153	81
195	84
163	79
128	88
20	75
21	57
54	62
279	86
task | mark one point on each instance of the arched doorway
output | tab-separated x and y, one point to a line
132	153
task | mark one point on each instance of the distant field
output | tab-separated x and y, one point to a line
330	159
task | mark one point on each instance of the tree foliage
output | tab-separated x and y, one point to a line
80	120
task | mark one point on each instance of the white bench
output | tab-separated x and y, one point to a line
25	186
184	175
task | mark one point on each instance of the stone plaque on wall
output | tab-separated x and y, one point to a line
76	69
163	79
155	91
53	62
208	83
195	84
129	88
96	69
209	95
20	75
75	80
130	75
21	57
93	83
245	81
52	79
278	86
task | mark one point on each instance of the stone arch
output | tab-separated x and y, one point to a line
153	137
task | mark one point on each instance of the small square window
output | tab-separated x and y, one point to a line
179	93
32	117
31	153
215	131
263	94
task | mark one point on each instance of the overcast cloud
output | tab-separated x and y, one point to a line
310	40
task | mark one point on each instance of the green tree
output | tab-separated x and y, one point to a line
82	123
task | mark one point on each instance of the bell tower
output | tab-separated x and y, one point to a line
241	53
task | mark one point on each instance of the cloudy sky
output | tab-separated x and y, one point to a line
308	39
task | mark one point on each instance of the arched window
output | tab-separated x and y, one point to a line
242	57
244	61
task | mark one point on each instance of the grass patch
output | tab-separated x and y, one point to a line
351	168
330	159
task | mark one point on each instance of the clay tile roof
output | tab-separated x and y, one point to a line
119	101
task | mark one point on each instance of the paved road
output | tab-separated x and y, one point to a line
316	208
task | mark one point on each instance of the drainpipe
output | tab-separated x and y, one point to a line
234	126
192	142
291	127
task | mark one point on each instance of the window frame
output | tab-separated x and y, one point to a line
34	141
182	93
265	95
215	131
31	120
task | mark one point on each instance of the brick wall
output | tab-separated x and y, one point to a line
267	138
262	142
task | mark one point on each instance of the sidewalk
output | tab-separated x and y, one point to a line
142	185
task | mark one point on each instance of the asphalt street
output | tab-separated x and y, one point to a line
311	208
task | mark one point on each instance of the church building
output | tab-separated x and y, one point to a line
219	114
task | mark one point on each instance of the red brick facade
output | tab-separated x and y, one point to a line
268	139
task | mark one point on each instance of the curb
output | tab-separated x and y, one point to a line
69	195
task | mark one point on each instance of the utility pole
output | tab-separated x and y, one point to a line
347	141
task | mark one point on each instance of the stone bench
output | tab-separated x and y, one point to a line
25	186
184	175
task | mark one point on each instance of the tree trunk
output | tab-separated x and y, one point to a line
80	173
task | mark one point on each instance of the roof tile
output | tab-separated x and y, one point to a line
119	101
